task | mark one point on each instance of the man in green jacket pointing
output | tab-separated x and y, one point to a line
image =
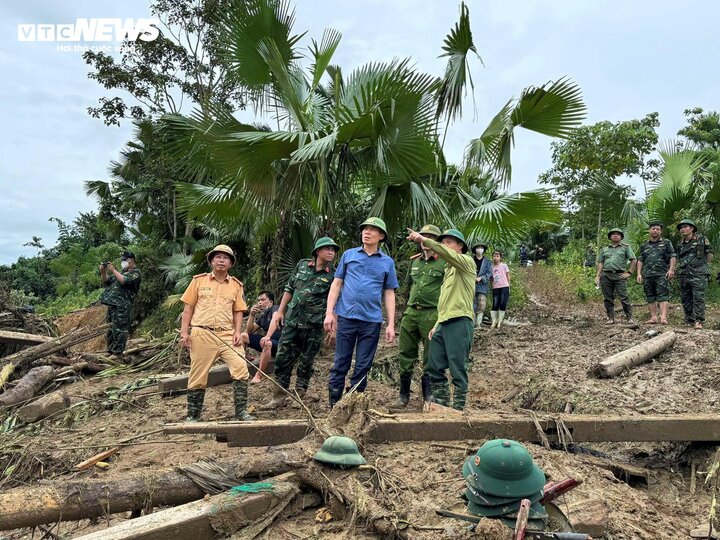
451	338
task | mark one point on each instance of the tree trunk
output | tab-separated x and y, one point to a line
634	356
31	354
45	406
28	386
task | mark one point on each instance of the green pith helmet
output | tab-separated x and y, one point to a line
221	248
454	233
478	497
477	243
324	242
375	222
656	223
505	468
340	450
430	230
687	222
611	231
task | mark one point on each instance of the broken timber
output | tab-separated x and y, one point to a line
408	427
634	356
21	338
218	375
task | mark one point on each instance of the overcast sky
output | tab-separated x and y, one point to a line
629	57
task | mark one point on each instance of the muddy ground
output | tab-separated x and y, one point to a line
549	359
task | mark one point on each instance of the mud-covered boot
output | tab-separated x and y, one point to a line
425	385
195	399
478	320
459	399
278	398
493	318
334	395
501	318
240	393
441	393
404	397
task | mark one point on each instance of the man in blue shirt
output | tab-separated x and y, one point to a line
364	277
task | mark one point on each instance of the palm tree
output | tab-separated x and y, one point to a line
372	135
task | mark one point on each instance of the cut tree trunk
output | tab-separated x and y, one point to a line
243	514
21	338
56	345
45	406
28	386
89	362
634	356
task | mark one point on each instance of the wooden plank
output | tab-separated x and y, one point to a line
423	427
21	338
218	375
217	516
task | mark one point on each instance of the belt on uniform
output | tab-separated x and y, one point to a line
420	308
613	271
212	328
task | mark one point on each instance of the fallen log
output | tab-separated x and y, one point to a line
21	338
28	386
634	356
45	406
90	362
55	345
86	499
229	513
173	386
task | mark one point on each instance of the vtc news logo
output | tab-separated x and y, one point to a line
92	30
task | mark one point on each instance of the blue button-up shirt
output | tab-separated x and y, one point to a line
365	277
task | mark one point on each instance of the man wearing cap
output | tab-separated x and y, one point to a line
483	274
612	274
364	278
120	291
655	267
305	296
214	309
694	257
425	278
451	337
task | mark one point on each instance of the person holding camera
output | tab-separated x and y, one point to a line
120	291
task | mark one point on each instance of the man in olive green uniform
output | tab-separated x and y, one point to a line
120	290
612	274
425	279
305	295
451	337
694	256
655	267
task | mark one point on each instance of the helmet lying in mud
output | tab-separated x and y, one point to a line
504	468
341	451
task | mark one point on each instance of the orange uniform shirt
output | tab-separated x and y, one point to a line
215	301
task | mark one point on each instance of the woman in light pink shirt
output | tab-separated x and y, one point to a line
501	289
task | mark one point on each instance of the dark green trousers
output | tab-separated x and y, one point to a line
297	346
614	285
692	294
414	328
449	350
117	335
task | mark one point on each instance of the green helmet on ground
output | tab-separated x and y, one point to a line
687	222
375	222
613	231
537	510
430	230
454	233
341	451
505	468
324	242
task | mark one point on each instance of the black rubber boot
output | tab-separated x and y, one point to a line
240	393
404	397
195	399
425	385
334	395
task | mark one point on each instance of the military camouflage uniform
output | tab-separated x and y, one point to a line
302	334
118	298
655	257
614	260
694	271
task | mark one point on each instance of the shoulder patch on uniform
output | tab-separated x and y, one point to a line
236	279
199	275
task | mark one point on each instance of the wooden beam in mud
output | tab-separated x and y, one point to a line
173	386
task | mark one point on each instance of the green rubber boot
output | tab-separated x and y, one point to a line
195	399
240	393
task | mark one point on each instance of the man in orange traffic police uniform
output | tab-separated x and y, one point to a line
214	309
